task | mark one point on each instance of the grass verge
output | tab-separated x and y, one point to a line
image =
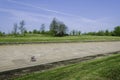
106	68
44	39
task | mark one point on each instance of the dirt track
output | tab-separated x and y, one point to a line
18	56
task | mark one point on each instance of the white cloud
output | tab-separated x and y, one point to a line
72	21
33	20
44	9
29	16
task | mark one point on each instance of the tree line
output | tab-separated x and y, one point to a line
115	32
57	28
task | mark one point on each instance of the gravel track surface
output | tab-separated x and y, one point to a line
19	56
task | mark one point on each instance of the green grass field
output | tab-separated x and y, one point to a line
41	38
106	68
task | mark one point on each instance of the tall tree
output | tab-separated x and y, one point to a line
35	31
15	28
58	28
1	34
79	32
22	28
117	31
101	33
62	28
73	32
42	28
53	27
107	33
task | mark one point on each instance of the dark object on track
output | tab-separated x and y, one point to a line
33	59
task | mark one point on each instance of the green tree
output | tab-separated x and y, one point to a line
25	31
100	33
2	33
30	32
107	33
58	28
117	31
62	28
90	33
35	31
53	27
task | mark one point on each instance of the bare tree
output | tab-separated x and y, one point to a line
42	28
79	32
73	32
22	28
15	28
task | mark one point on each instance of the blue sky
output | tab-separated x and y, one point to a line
83	15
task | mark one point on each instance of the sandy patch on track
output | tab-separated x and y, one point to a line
18	56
